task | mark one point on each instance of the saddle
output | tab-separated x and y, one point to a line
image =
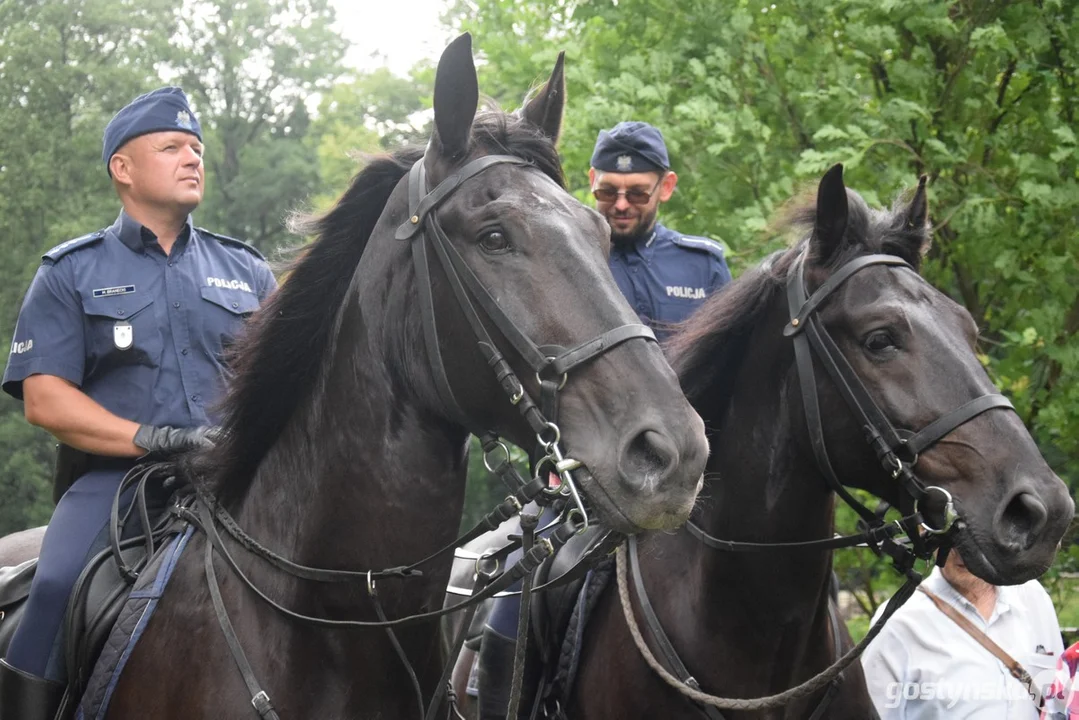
99	596
577	573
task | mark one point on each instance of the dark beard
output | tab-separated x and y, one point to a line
644	230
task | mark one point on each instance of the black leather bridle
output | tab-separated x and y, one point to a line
551	363
896	449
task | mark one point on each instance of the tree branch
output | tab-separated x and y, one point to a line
801	138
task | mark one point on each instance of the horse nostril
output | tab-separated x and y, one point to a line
1023	520
648	459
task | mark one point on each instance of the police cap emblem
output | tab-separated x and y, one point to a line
183	119
624	163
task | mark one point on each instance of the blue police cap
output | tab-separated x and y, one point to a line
161	110
630	147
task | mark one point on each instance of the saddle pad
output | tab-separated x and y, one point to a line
131	623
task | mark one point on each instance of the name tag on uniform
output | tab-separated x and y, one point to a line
110	291
122	335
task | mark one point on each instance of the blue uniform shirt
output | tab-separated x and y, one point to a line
142	333
667	275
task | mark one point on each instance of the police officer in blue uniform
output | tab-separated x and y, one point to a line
119	352
664	274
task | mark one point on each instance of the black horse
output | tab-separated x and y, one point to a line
749	624
756	623
355	390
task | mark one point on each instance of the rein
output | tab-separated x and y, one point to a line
813	685
551	364
898	452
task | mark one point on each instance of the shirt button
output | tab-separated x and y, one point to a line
170	263
176	304
120	311
195	398
184	351
235	305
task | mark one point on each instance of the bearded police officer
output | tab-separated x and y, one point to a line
664	274
119	352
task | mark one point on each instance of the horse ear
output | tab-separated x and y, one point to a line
545	107
457	96
912	242
830	221
918	209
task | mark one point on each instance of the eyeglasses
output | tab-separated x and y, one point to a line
634	196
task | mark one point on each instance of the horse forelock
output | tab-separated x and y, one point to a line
509	134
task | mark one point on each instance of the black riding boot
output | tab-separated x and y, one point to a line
27	697
496	676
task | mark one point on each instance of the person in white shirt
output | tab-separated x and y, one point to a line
923	666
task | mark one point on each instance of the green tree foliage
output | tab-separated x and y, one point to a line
61	78
251	67
66	66
367	114
756	99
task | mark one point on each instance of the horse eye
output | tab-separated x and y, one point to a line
494	243
879	341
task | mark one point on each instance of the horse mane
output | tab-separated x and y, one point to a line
709	346
278	360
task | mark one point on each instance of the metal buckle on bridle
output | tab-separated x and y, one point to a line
565	375
490	571
950	514
517	396
506	459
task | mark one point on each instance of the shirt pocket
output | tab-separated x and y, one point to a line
122	330
223	312
1042	669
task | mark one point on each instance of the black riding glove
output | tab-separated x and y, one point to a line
165	440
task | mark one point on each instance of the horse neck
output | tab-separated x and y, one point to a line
363	477
762	485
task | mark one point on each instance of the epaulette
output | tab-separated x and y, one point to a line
699	243
65	247
233	241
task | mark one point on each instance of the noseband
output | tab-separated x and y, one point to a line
896	449
551	363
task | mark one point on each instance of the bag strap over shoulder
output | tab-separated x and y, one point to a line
1014	666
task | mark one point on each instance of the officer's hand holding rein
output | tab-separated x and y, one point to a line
165	440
